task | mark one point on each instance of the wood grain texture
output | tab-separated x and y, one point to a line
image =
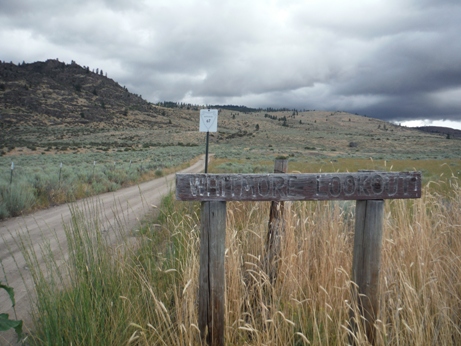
298	187
276	229
211	276
366	263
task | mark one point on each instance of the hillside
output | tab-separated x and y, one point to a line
53	93
54	102
49	107
444	131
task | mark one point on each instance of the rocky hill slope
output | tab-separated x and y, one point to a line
49	107
53	101
54	93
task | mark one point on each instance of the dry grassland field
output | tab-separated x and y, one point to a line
144	292
53	164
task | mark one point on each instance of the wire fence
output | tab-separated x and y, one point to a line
29	183
15	172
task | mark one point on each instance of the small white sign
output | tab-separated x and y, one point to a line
208	120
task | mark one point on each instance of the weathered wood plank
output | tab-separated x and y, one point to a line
298	187
366	264
276	229
211	276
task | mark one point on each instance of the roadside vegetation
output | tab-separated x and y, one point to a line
247	141
144	291
40	181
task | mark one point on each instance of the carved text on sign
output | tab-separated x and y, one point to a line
273	187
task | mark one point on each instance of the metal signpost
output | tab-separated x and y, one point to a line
208	123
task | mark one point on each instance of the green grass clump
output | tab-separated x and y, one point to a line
15	198
84	295
110	292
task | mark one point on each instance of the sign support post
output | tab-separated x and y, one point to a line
59	179
369	189
366	264
208	123
211	297
206	152
12	169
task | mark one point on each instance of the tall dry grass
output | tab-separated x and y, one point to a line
147	294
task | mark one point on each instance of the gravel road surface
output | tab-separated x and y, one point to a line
126	206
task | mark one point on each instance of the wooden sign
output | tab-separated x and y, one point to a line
370	185
369	188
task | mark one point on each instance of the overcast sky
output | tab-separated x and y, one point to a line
396	60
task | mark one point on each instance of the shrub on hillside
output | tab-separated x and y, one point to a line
16	198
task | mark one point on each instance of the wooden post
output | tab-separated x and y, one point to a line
12	169
59	179
276	229
368	188
366	264
211	277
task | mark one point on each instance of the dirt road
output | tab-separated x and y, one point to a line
126	206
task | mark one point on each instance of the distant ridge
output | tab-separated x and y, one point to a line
446	131
243	109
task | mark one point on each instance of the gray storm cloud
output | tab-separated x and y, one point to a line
394	60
